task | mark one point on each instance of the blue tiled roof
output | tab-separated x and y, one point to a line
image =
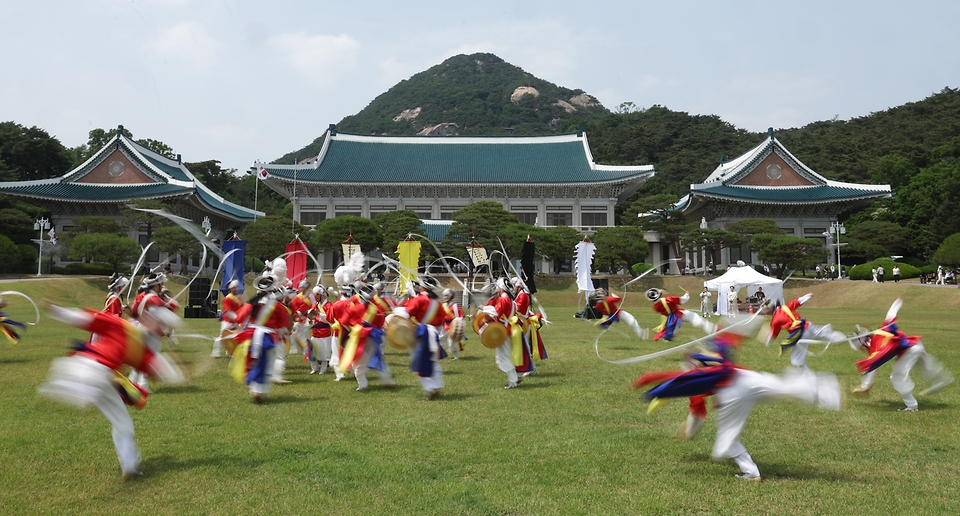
813	194
173	171
225	206
435	232
80	192
516	160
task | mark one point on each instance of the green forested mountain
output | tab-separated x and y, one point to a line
481	94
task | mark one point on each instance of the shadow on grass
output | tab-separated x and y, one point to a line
896	405
167	463
179	389
274	399
776	470
702	463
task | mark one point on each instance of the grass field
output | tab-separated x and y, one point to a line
573	439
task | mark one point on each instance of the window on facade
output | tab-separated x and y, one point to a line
593	219
312	218
529	217
348	214
559	219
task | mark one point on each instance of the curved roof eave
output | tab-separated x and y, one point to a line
748	200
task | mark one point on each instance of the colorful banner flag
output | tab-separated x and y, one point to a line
296	261
583	260
233	266
409	253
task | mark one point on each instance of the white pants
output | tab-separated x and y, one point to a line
693	318
799	352
434	381
736	402
218	342
504	361
300	337
280	360
81	381
453	348
362	365
321	354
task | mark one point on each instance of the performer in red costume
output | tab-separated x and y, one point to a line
889	343
669	307
452	311
90	376
427	312
363	349
800	331
299	306
151	300
321	335
609	307
736	391
269	320
501	309
228	315
113	305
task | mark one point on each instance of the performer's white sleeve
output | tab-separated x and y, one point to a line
71	316
684	298
894	309
804	298
165	369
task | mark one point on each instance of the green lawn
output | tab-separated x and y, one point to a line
573	439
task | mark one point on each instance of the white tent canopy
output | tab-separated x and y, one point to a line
739	277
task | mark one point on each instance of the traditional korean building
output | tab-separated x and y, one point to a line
544	180
769	182
124	171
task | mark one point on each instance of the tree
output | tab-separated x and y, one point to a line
657	214
95	224
175	240
949	252
746	228
514	235
395	226
212	175
267	237
17	225
482	220
144	221
783	251
873	239
619	247
31	152
558	244
709	240
330	233
9	255
104	248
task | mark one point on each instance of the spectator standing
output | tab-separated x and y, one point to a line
874	272
833	273
818	271
880	273
940	278
896	274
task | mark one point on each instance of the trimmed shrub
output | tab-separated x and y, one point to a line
640	268
88	269
863	271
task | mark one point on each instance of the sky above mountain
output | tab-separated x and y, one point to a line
239	81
